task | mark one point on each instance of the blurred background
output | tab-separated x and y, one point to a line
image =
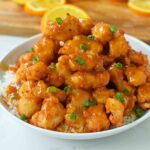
25	17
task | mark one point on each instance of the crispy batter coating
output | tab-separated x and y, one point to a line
51	114
136	75
69	28
45	49
76	46
28	106
102	32
115	109
96	119
87	80
101	94
118	47
37	71
144	95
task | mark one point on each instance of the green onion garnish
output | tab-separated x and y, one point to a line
80	61
126	91
52	66
113	29
73	116
36	59
23	117
91	37
138	112
118	65
89	103
30	50
52	89
67	89
120	97
59	20
84	47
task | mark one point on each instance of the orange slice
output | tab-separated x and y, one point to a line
61	11
140	6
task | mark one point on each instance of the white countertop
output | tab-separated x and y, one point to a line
16	137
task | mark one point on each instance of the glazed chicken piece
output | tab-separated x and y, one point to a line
45	49
32	89
136	75
74	113
115	109
65	30
21	72
54	78
143	96
87	80
116	75
37	71
102	32
137	58
101	94
81	62
119	47
28	106
86	25
25	58
96	119
51	114
81	44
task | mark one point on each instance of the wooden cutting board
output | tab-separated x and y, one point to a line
14	21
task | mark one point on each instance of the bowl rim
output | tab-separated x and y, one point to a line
75	136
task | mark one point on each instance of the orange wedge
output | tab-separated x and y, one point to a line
39	7
61	11
140	6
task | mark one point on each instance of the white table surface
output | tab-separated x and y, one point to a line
16	137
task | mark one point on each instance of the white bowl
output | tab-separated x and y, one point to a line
16	52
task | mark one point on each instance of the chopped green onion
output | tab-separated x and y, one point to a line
80	61
120	97
126	91
149	66
30	50
138	112
52	89
23	117
118	65
113	29
91	37
73	116
52	66
59	20
36	59
89	103
67	89
84	47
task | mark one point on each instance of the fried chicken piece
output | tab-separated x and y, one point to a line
136	75
81	44
45	49
28	106
116	75
101	94
96	119
115	109
87	80
143	95
102	32
74	113
70	27
32	89
118	47
37	71
138	58
54	78
51	114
